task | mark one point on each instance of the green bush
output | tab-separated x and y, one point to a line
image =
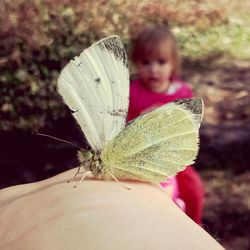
39	37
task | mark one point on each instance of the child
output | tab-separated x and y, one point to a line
155	55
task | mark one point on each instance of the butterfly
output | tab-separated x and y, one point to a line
150	148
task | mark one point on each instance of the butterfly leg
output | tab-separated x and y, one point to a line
119	181
86	173
77	172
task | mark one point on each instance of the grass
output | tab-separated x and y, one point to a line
231	39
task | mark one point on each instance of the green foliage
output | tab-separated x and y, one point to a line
39	37
230	39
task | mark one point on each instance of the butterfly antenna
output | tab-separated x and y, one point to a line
119	181
88	147
57	139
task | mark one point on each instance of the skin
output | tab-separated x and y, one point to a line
155	73
51	214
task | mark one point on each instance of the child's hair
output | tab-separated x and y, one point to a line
156	41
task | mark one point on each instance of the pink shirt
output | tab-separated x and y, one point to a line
142	98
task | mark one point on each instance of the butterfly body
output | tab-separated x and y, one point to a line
152	147
91	161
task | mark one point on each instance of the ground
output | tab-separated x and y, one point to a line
224	158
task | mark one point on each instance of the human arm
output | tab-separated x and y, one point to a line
51	214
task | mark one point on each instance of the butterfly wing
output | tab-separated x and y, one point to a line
96	86
157	144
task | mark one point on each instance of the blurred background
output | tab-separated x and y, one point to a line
38	37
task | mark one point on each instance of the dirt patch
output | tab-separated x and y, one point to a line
225	132
224	158
227	208
225	89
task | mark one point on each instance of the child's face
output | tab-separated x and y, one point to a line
155	73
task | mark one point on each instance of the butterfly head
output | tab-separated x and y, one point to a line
91	161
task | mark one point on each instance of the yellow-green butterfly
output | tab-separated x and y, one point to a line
152	147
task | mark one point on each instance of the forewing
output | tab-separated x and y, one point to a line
195	106
157	144
96	86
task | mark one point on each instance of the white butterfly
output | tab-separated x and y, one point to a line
152	147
